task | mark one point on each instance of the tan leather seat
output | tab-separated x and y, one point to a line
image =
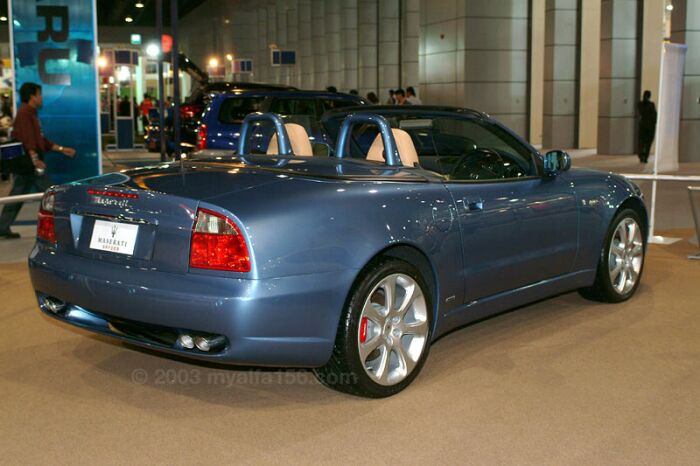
404	144
298	138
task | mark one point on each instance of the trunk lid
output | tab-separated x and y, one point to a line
144	217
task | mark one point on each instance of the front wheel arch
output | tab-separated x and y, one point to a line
638	206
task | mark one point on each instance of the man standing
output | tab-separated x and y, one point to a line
401	97
31	173
412	97
145	107
647	126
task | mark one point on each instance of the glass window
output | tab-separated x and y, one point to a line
294	107
461	149
330	104
235	109
479	150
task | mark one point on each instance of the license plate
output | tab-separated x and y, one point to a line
114	237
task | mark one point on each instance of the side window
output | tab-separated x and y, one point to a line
294	107
488	152
235	109
330	104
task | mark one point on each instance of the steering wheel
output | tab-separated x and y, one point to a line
480	164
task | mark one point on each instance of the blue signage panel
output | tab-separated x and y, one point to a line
54	44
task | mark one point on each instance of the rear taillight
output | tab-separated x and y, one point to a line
46	228
189	111
104	192
202	137
218	244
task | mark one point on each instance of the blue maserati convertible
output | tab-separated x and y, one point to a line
423	219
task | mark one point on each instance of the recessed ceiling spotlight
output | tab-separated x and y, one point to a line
139	5
3	18
128	19
669	7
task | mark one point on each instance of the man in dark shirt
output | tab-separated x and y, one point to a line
27	130
647	126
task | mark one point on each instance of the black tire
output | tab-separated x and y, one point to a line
344	371
602	289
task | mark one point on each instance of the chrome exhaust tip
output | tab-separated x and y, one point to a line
209	344
53	305
186	341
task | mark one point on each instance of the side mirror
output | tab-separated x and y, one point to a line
321	149
556	161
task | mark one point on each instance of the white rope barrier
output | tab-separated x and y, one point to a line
654	178
641	176
21	198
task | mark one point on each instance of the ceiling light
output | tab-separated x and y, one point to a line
128	19
213	62
139	5
3	18
669	7
229	57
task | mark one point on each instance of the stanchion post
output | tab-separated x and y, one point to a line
176	79
161	83
696	220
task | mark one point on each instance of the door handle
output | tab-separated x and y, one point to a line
474	205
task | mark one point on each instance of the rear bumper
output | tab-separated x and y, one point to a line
288	321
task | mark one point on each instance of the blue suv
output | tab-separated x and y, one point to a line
221	122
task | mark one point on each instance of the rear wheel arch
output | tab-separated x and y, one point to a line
414	256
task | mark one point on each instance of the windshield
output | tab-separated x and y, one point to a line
456	147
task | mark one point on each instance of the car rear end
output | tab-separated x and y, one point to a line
175	272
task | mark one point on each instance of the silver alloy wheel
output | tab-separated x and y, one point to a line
393	329
625	256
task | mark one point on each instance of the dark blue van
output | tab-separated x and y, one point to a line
221	121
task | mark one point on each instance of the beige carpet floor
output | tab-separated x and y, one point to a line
562	381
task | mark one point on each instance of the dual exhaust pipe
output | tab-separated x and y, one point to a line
53	305
205	344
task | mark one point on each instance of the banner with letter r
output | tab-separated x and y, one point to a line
54	44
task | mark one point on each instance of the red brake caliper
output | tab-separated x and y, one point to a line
363	330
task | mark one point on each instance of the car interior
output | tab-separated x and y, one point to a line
458	149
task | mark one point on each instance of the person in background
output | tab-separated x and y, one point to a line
332	89
7	105
145	107
392	98
647	126
411	96
123	109
31	174
372	98
400	96
136	111
353	92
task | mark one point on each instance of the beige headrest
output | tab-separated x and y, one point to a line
404	144
298	138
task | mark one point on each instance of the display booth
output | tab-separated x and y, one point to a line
118	97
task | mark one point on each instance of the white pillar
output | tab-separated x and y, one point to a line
318	37
349	45
388	46
305	61
410	37
367	42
